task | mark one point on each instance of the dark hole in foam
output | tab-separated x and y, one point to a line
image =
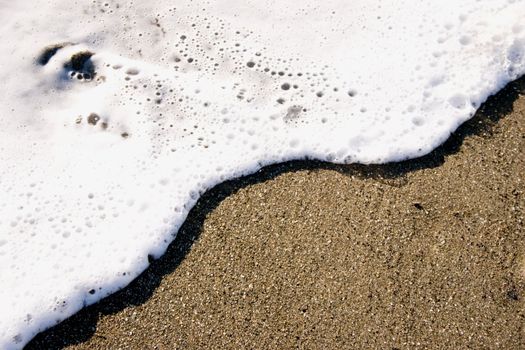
81	62
93	119
285	86
48	52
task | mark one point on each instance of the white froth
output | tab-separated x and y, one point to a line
100	164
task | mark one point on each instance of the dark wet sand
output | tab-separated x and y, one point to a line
428	253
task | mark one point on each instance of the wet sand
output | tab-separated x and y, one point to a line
428	253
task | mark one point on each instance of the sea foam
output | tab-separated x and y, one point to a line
116	116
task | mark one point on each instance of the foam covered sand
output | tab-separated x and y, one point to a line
109	137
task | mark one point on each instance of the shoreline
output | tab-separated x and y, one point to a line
273	228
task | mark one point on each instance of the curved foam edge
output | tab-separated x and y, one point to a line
108	141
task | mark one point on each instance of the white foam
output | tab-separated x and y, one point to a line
189	94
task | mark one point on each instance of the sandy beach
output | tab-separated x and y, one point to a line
427	253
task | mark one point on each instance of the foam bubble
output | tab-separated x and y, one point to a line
115	119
